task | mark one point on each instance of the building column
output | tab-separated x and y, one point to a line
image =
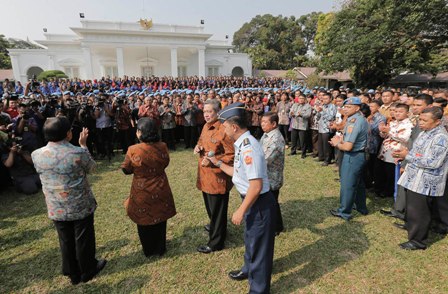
88	62
51	62
201	64
120	62
16	69
174	72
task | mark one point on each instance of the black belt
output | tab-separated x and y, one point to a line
242	196
359	151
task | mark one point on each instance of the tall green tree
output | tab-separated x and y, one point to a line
308	23
5	62
273	42
378	39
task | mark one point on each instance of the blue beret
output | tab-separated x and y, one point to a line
96	91
353	101
66	93
234	109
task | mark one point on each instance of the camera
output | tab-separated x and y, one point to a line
13	96
26	116
34	86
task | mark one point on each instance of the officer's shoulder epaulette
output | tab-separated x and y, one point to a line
246	142
352	120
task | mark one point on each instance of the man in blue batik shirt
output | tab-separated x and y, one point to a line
424	179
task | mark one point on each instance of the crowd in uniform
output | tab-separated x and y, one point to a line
391	142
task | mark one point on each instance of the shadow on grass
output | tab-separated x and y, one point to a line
17	206
126	285
113	245
20	274
22	238
336	246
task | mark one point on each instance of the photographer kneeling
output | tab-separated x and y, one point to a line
20	166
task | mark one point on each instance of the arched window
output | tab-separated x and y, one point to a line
34	70
237	71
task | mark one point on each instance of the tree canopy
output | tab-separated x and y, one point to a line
378	39
5	62
277	42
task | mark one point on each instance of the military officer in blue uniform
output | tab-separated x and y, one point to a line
353	144
258	208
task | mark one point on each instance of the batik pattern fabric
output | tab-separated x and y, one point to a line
273	146
427	168
396	139
63	170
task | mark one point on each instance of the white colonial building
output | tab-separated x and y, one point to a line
102	48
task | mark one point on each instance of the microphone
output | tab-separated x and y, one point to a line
209	154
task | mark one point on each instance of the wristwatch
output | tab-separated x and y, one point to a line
218	164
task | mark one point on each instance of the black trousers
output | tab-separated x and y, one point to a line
153	238
298	141
309	140
217	206
279	223
314	141
324	148
295	142
104	139
77	244
168	137
190	136
385	178
419	213
123	137
179	133
370	176
284	129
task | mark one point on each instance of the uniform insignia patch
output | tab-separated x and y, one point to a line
353	120
349	129
248	160
246	142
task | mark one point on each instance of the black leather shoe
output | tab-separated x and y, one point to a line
292	154
335	213
205	249
411	246
207	227
99	267
400	226
75	280
361	212
238	275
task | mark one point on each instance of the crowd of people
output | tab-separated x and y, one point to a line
389	141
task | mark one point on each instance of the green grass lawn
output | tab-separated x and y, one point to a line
317	253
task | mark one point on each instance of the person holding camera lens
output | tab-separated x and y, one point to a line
25	127
123	121
104	131
20	166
